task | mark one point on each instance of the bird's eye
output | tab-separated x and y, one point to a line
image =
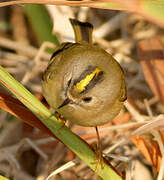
87	99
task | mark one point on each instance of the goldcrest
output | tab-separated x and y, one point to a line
83	82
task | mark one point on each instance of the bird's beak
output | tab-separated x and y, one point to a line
65	102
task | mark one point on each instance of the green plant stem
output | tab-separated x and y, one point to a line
78	146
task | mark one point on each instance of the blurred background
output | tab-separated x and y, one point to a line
28	36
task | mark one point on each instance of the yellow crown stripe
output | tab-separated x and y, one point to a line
80	86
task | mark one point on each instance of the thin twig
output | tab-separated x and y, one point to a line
26	49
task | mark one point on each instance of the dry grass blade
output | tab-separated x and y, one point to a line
62	168
155	123
150	9
67	3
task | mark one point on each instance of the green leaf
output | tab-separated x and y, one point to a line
154	9
41	22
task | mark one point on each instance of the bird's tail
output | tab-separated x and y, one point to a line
83	30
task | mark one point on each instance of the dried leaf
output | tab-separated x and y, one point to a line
121	119
149	149
16	108
152	60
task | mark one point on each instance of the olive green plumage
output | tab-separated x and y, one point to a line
83	82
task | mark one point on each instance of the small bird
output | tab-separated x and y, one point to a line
83	82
